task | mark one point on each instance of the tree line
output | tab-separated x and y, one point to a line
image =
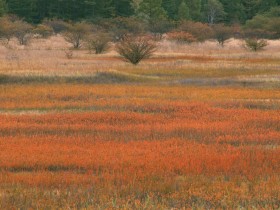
208	11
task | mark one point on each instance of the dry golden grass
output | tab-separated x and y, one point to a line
47	57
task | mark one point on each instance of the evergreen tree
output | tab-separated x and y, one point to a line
195	9
250	8
2	7
228	11
123	8
265	5
171	8
214	11
234	11
183	11
22	8
152	10
104	9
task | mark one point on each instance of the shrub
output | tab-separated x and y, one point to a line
160	27
69	54
134	50
255	44
22	32
58	26
76	33
200	31
7	28
222	33
43	30
181	37
248	33
121	27
98	43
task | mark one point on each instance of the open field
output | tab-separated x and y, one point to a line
194	127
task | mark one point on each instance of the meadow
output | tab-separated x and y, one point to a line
194	127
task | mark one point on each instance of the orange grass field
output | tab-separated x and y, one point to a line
138	144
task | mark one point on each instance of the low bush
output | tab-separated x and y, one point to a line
77	33
181	37
200	31
222	33
43	31
98	43
58	26
255	44
134	50
23	32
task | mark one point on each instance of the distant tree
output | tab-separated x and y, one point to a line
266	5
235	12
123	8
195	9
98	43
267	23
160	27
7	28
104	9
22	8
222	33
171	7
214	11
77	33
250	8
181	37
151	10
273	12
22	32
135	4
184	11
58	26
3	7
200	31
43	30
120	27
274	27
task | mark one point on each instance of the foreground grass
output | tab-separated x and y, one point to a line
182	192
138	146
177	132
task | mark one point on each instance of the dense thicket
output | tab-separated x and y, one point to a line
211	11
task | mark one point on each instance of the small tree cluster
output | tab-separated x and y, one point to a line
13	27
200	31
181	37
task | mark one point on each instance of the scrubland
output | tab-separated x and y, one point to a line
194	127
